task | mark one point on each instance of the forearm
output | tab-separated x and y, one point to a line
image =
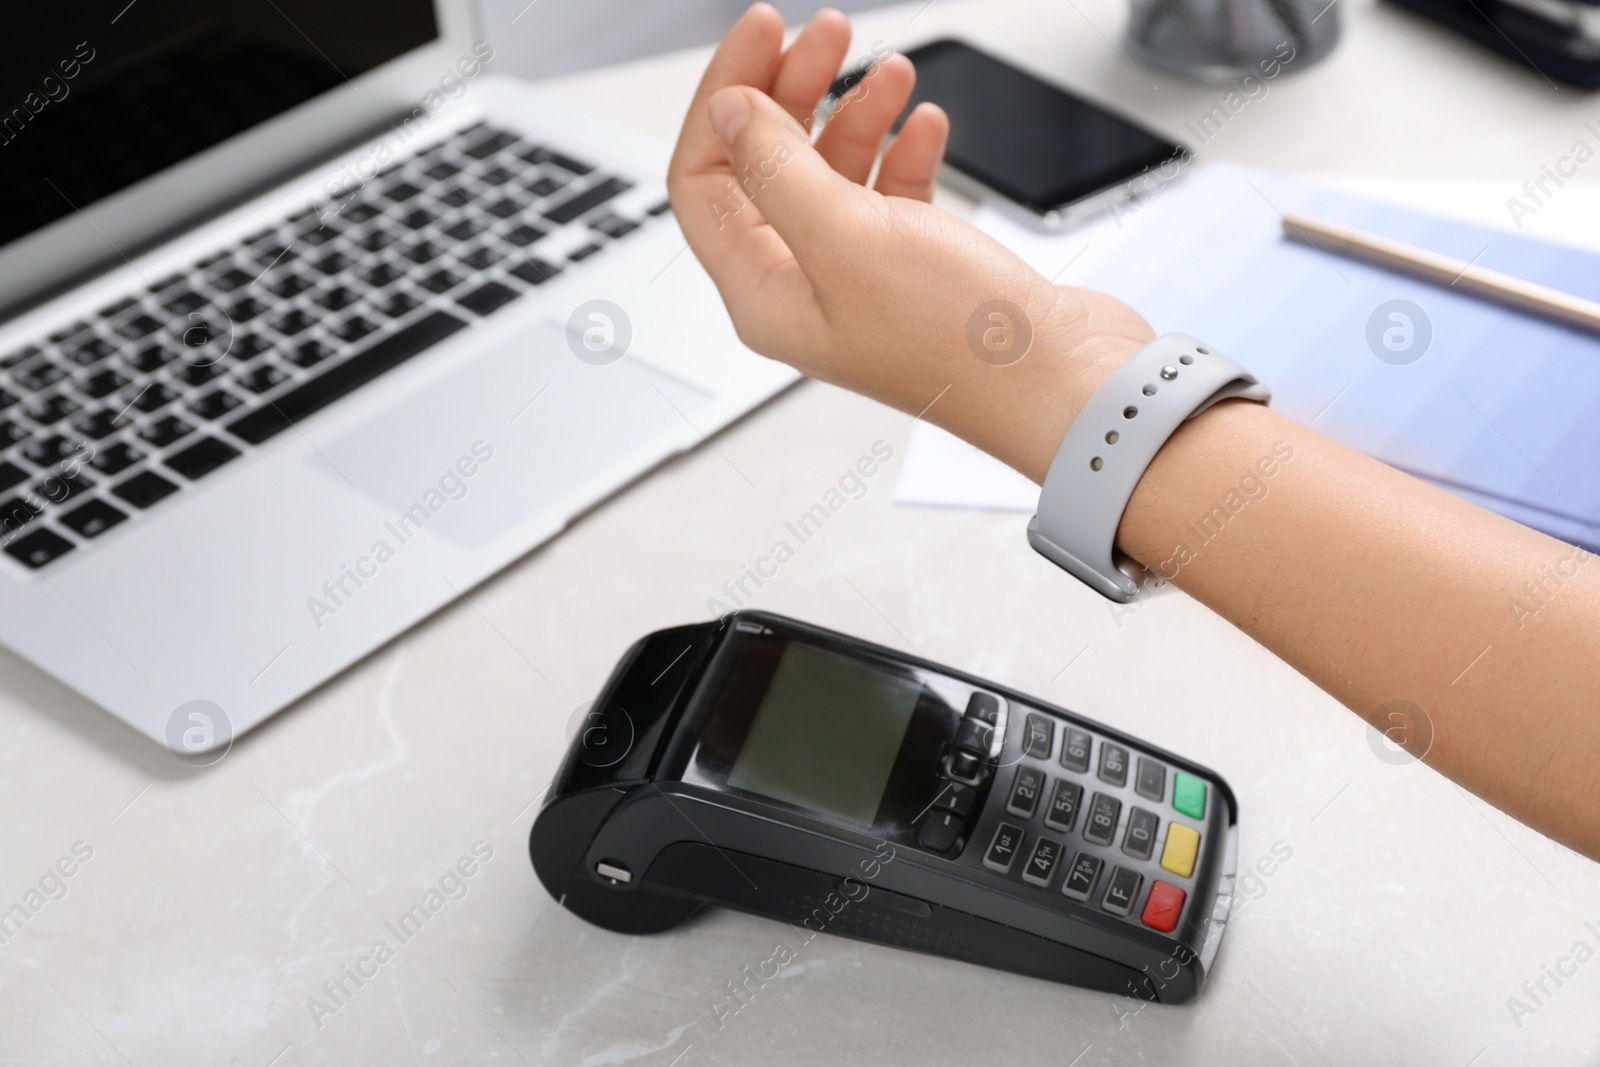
1377	587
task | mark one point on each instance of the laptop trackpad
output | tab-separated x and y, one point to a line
523	426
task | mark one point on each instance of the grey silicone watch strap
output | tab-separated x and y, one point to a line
1112	441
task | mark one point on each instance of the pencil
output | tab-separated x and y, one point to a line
1445	270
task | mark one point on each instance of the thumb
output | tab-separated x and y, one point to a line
806	201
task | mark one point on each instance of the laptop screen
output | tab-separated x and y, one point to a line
95	97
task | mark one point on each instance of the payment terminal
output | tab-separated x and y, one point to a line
763	764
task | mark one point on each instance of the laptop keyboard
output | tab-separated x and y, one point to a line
109	416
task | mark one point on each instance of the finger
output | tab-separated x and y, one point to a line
809	204
749	55
855	131
809	65
911	164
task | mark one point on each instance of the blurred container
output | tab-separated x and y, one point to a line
1223	40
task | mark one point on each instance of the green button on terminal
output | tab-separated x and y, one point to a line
1189	795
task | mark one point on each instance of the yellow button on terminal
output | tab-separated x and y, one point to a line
1183	844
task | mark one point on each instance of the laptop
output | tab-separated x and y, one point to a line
310	324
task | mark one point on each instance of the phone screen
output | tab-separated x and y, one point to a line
1031	142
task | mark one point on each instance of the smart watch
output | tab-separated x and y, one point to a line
1111	443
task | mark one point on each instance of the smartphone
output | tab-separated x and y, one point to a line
1055	154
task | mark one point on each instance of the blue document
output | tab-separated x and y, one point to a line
1499	406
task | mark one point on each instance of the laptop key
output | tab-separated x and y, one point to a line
48	451
116	458
68	330
535	271
232	279
354	328
360	211
296	321
39	548
583	253
381	275
504	209
138	326
247	347
201	458
338	298
144	489
103	384
422	252
417	218
524	235
490	145
183	302
359	369
52	409
464	229
376	240
441	281
489	298
15	514
496	175
99	424
11	433
92	519
399	305
289	285
41	376
263	378
309	353
164	431
400	192
247	309
199	373
614	226
19	357
545	186
214	405
332	263
10	474
150	358
584	202
442	170
479	258
155	395
59	488
567	163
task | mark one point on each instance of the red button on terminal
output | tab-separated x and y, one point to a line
1163	907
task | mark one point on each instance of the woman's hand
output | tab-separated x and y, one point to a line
874	289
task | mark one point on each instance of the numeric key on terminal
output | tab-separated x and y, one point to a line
1122	892
1140	840
1113	764
1151	781
1062	814
1075	745
1025	792
1004	848
1037	736
1082	876
1041	867
1101	823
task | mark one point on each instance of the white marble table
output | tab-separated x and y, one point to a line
213	905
